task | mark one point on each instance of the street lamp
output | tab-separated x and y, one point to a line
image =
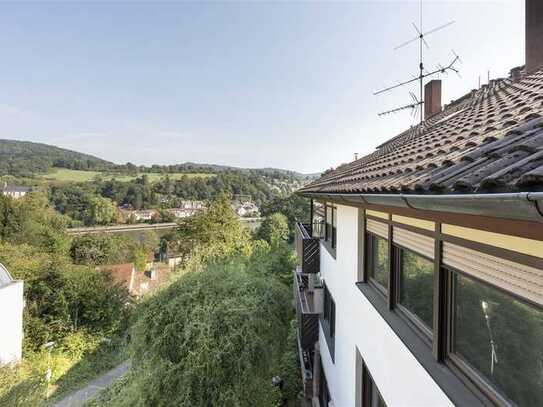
49	372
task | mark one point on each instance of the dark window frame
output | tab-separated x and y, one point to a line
460	381
369	388
468	374
412	319
333	240
328	321
369	277
324	392
330	229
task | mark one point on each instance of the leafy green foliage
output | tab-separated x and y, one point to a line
83	205
215	233
30	220
140	259
212	338
62	297
417	285
72	305
276	261
100	249
274	229
20	388
75	360
103	249
217	335
26	158
293	206
487	317
101	211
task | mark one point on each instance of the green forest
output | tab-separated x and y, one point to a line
217	331
88	190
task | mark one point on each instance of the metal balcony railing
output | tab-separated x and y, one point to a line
309	305
307	249
309	299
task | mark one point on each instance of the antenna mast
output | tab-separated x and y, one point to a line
417	103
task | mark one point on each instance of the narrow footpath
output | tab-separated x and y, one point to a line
81	396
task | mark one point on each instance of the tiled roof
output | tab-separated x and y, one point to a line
491	140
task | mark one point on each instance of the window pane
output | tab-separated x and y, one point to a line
502	338
380	261
417	286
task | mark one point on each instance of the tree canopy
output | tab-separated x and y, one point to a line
214	338
274	229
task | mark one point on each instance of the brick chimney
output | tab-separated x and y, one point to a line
432	98
534	35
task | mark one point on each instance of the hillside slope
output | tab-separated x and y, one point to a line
26	158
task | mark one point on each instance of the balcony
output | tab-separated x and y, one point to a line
307	249
308	297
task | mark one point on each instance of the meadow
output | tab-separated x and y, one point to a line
66	175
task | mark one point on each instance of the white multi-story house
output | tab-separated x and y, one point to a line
11	318
426	285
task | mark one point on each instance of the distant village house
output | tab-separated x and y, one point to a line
15	192
138	283
247	209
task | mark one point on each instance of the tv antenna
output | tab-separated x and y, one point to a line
416	104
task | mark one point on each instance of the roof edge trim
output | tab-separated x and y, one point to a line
517	206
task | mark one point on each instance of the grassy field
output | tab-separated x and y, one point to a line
66	175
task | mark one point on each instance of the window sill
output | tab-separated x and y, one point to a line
444	377
331	250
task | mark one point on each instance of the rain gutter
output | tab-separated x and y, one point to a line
518	206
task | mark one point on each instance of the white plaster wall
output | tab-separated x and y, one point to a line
11	322
400	378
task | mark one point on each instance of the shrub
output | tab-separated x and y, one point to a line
213	338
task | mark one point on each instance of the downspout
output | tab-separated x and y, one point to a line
538	200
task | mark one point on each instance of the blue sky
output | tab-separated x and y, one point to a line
255	84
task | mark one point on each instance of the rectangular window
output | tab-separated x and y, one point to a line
378	263
334	227
416	291
371	397
330	234
328	220
329	320
497	341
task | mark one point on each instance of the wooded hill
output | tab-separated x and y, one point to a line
25	158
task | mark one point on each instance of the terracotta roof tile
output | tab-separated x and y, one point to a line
490	140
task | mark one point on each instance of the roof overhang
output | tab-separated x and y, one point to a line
518	206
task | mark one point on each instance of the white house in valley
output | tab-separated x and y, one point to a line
247	209
15	192
11	318
425	286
